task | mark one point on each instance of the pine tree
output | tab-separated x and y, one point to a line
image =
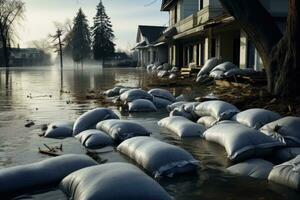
80	38
103	36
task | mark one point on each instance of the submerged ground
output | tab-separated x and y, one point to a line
44	95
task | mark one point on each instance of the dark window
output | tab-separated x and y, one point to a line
191	54
250	54
198	55
175	14
236	51
213	47
202	53
200	4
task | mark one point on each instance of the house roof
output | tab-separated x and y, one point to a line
166	4
151	33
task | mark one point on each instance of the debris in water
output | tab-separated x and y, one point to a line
29	124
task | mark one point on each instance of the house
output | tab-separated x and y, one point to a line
149	51
201	29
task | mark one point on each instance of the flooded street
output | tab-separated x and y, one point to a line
44	95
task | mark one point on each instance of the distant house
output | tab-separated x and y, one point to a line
149	51
201	29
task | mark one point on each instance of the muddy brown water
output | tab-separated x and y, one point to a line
34	94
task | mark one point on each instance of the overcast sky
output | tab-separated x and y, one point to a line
125	15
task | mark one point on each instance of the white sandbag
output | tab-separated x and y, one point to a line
94	138
175	105
162	74
286	130
172	76
159	158
182	113
141	105
162	93
287	174
241	142
89	119
123	90
190	106
174	69
217	74
44	174
134	94
161	103
220	110
224	67
207	121
255	168
286	154
208	66
149	67
59	130
112	181
182	126
256	117
121	130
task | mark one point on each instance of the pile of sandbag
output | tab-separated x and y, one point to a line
112	181
159	158
219	71
206	69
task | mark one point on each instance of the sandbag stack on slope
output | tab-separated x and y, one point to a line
220	110
287	174
89	119
219	71
255	168
182	126
121	130
206	69
94	139
59	130
286	130
112	181
159	158
241	142
141	105
44	174
134	94
256	117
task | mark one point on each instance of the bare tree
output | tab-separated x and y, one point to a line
10	12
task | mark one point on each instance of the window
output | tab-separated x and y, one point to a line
200	4
175	14
213	47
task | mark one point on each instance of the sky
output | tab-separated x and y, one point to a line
125	15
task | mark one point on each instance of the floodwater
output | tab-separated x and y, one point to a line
44	95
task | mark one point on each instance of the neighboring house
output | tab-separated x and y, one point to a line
28	57
149	51
201	29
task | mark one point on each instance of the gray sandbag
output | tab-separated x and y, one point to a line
44	174
121	130
235	72
89	119
190	106
141	105
159	158
112	181
220	110
217	75
162	74
286	130
224	67
208	66
94	138
182	126
241	142
172	76
181	97
113	92
167	66
159	68
287	174
162	93
255	168
175	105
59	130
123	90
134	94
207	121
286	154
161	103
256	117
174	69
182	113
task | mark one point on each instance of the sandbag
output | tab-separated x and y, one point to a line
217	75
113	92
134	94
162	74
182	126
255	168
174	69
208	66
59	130
182	113
224	67
141	105
89	119
123	90
287	174
162	93
94	139
207	121
44	174
286	154
112	181
175	105
286	130
241	142
159	158
256	117
235	72
173	76
190	106
161	103
121	130
167	66
220	110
